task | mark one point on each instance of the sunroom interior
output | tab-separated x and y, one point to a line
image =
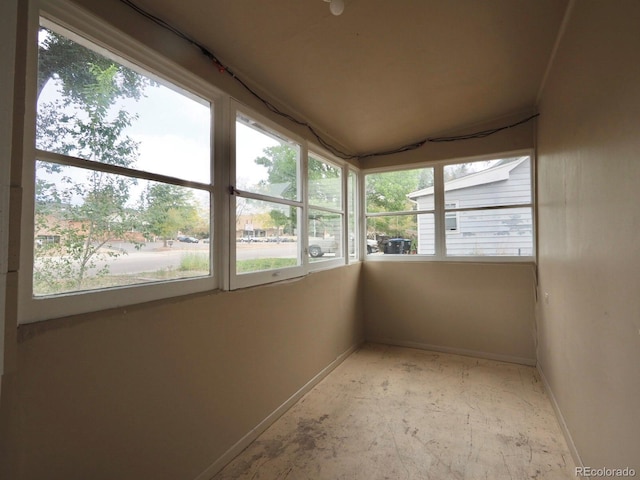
174	380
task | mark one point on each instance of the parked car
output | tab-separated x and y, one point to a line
319	246
397	246
184	239
372	245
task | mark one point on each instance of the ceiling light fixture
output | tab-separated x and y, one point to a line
336	6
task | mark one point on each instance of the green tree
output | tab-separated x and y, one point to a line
168	209
281	162
388	192
282	169
84	214
73	65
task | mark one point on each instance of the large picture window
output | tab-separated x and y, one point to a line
122	178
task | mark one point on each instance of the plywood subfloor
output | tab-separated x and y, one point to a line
398	413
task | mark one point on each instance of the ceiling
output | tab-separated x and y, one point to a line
384	73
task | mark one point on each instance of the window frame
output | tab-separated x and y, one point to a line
88	29
359	240
342	211
451	209
439	211
237	281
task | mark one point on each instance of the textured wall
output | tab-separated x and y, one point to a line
163	390
484	309
589	225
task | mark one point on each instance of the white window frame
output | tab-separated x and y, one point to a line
439	212
337	261
137	55
359	243
450	209
244	280
305	266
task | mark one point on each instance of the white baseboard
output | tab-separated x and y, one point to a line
244	442
563	425
456	351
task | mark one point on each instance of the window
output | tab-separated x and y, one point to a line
122	181
267	204
492	201
352	206
325	218
392	217
480	209
451	218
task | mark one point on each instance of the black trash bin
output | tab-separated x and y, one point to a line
398	246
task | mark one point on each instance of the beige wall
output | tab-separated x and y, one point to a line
163	390
589	225
480	309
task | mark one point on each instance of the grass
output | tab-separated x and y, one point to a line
191	262
98	282
258	264
191	265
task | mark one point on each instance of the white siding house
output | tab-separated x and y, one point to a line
488	212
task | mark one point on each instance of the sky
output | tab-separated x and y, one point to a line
173	132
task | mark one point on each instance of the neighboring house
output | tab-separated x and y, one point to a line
498	223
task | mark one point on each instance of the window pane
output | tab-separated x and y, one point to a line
393	234
266	163
92	107
394	191
325	184
96	230
352	193
325	235
266	235
498	232
490	183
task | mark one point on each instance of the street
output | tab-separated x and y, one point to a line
154	256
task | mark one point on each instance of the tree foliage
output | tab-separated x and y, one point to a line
167	210
388	192
74	65
84	214
281	162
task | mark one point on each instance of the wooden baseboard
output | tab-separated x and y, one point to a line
456	351
563	425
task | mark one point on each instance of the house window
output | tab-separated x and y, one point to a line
450	218
480	210
123	181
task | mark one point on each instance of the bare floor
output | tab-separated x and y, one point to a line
399	413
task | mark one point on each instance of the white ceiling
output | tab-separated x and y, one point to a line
386	72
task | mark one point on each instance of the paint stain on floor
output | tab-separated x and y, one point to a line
398	413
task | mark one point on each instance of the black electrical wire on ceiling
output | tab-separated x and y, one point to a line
223	68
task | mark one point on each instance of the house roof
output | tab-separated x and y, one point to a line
497	173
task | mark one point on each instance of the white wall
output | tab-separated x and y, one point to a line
589	226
